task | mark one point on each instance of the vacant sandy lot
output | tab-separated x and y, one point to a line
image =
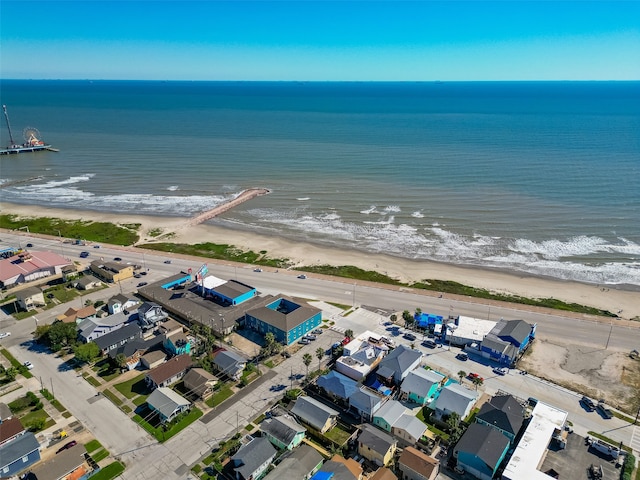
594	371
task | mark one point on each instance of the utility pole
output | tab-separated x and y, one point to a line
52	392
609	337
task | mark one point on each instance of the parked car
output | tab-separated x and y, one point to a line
303	276
143	273
67	445
462	356
604	411
29	245
310	337
4	334
286	354
28	364
257	270
473	376
588	404
409	336
304	341
167	261
117	259
317	331
532	401
429	344
142	284
500	371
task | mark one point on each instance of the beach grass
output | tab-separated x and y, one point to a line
80	229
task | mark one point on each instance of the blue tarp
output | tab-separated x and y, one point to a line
426	319
322	476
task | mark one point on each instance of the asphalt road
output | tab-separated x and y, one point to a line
146	459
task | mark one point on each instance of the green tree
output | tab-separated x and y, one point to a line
406	316
461	375
121	360
453	425
477	381
306	359
61	334
319	356
86	352
11	373
393	318
348	333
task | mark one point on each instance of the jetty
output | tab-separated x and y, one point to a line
228	205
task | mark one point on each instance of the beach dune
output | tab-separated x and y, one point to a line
615	299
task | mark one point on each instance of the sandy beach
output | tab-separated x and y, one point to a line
600	296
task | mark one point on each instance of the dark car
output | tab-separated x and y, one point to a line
317	331
96	246
117	259
84	254
167	261
67	445
604	411
142	284
409	336
462	356
429	344
29	245
588	404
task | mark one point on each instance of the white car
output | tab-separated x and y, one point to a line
28	364
4	334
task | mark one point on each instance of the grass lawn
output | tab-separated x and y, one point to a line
62	294
15	363
112	396
338	435
92	380
140	400
28	418
106	370
133	387
109	472
93	445
220	396
159	433
100	455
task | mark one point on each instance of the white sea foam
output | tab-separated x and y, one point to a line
173	188
391	209
302	199
417	214
370	210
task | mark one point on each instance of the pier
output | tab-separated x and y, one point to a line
228	205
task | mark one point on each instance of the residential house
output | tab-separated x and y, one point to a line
507	341
112	272
362	361
397	365
167	403
480	451
153	359
228	363
416	465
376	446
30	298
337	386
5	412
118	338
135	349
91	329
454	398
73	315
18	454
315	414
150	314
69	464
365	403
200	382
339	468
383	473
283	431
119	303
253	459
177	344
286	318
388	415
87	282
299	464
408	430
421	385
504	414
30	267
69	273
169	372
170	327
10	429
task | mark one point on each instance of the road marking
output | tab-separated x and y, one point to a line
635	439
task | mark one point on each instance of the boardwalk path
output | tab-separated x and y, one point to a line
214	212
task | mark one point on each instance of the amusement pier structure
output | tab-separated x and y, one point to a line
32	142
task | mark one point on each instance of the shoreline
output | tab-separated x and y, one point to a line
615	299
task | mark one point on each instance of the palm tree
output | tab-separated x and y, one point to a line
306	359
461	375
406	316
477	381
393	318
319	356
348	333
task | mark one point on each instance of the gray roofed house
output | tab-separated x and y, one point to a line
408	429
88	282
113	340
400	361
253	459
503	413
167	403
455	398
64	463
315	413
93	328
388	415
420	385
337	385
480	450
200	382
120	302
150	314
300	464
30	297
376	446
281	320
365	403
283	431
515	331
18	454
228	363
135	349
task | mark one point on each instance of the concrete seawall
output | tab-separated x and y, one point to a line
214	212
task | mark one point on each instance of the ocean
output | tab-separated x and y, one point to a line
539	178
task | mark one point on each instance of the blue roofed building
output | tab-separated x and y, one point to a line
507	341
421	385
428	320
19	454
286	318
227	292
481	450
337	386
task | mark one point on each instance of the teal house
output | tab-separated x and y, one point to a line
287	319
283	432
177	344
481	450
421	385
387	416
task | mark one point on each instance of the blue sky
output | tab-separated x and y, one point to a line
327	40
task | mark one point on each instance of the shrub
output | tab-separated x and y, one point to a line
628	466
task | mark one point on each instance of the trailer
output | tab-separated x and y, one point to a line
603	447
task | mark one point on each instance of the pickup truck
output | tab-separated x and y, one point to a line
604	411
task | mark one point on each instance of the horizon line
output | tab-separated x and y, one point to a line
312	81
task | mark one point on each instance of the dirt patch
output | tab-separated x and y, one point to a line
599	373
